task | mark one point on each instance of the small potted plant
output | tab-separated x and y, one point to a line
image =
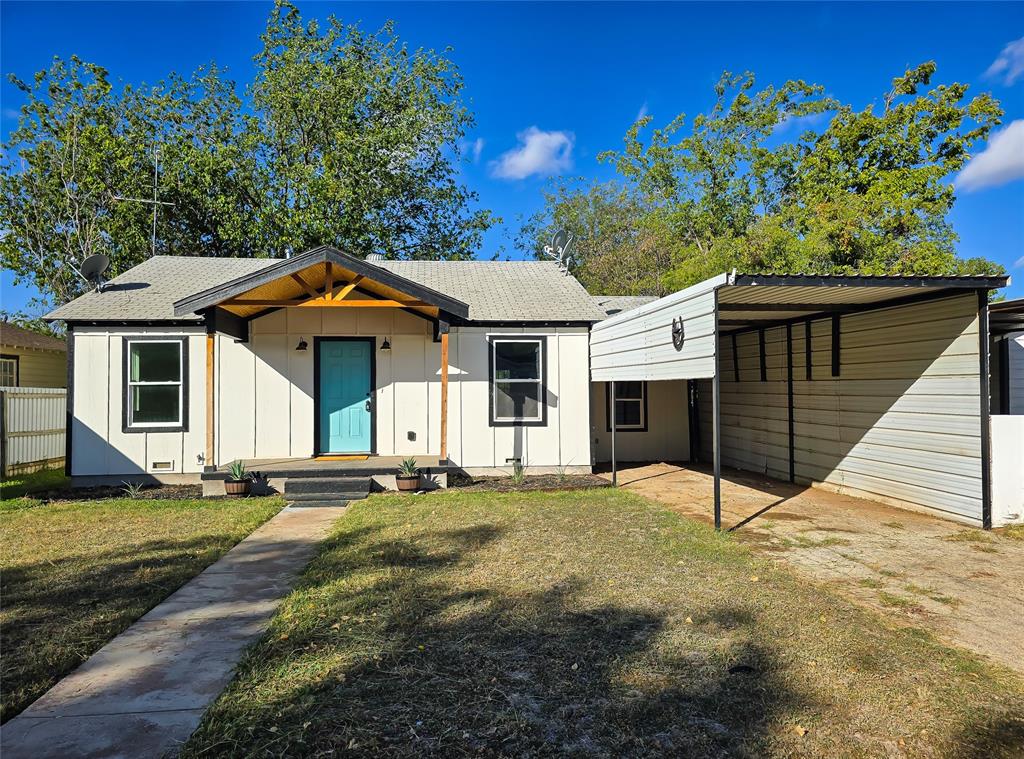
408	477
239	483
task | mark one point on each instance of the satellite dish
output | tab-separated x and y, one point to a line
559	249
93	268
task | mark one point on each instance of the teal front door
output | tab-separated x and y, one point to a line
344	396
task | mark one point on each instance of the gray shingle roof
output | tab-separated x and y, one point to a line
504	290
528	291
616	304
147	292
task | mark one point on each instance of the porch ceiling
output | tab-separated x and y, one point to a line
303	281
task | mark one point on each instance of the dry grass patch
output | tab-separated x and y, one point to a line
75	574
587	623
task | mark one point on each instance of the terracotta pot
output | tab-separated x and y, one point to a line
237	488
407	482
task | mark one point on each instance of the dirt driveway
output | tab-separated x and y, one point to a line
964	584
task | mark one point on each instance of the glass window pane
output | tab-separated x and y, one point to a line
516	360
155	403
627	413
8	372
629	389
517	400
156	362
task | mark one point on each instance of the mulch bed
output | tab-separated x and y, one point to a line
537	482
103	492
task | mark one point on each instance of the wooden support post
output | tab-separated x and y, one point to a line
210	337
328	281
444	396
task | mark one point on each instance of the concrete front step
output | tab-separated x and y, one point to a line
326	491
311	503
325	495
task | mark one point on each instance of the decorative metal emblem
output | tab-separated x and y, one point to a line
678	335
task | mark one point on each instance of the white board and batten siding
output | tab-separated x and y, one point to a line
99	446
637	344
265	391
901	423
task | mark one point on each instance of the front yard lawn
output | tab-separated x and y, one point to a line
588	623
76	573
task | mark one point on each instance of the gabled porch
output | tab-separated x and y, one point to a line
323	356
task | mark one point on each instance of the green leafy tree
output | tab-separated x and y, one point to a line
869	193
346	138
354	134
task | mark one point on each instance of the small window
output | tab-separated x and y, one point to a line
517	381
8	371
630	406
154	385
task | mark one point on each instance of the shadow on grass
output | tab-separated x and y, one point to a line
57	613
402	658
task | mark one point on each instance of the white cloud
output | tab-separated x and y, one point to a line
1010	63
476	149
1020	263
1001	161
539	152
642	112
799	124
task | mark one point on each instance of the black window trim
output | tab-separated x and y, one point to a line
17	367
520	337
608	409
126	341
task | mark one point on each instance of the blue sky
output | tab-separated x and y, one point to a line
565	81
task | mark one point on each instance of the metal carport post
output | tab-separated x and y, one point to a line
615	474
716	421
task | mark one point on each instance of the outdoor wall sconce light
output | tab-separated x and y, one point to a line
386	345
302	344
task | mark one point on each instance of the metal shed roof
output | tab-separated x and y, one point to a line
754	300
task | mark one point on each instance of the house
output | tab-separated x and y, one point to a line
31	359
325	363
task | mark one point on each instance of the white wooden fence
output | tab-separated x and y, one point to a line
31	428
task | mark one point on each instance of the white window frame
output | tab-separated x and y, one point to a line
541	418
177	425
641	399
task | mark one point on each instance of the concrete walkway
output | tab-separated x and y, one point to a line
963	584
143	694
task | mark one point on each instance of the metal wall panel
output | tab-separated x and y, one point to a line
32	427
637	344
901	421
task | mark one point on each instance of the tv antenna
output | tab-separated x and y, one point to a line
93	268
560	249
155	202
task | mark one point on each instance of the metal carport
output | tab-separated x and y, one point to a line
878	386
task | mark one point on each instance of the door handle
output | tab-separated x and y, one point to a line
368	405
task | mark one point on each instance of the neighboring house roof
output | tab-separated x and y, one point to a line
514	291
14	336
616	304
